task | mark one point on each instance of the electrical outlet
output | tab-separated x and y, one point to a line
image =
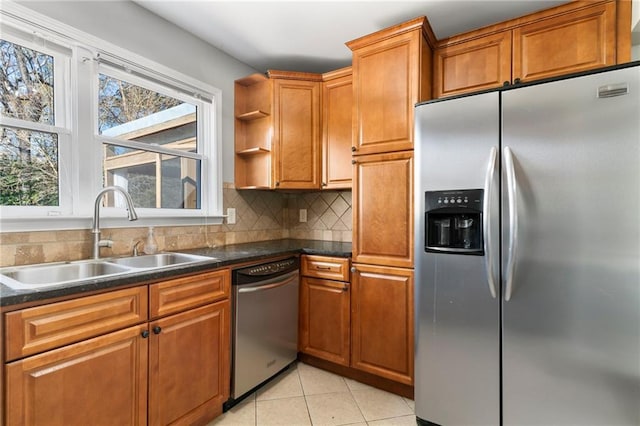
231	216
303	215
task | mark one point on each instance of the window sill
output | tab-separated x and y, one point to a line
47	223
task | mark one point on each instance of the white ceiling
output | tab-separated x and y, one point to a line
310	35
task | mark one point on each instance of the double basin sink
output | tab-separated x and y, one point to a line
52	274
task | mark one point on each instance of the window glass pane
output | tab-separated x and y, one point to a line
131	112
153	180
26	91
28	168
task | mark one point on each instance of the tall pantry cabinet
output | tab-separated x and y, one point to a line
390	75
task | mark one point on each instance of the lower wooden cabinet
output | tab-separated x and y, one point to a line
188	365
98	360
382	321
325	319
100	381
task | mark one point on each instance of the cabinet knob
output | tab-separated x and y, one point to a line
353	161
145	334
353	269
353	149
157	329
345	287
516	81
506	83
277	183
324	183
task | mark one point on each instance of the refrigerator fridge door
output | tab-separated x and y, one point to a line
457	363
571	301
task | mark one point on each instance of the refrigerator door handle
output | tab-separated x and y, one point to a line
486	224
513	221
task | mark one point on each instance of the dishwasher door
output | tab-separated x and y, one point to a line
265	335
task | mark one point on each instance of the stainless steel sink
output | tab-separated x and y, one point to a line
52	274
158	260
44	275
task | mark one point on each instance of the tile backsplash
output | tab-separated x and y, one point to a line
260	215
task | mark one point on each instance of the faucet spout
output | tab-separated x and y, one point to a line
95	227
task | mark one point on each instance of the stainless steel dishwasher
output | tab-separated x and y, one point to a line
265	324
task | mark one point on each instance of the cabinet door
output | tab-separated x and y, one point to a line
386	80
100	381
473	65
572	42
382	322
189	365
383	209
325	319
297	134
337	107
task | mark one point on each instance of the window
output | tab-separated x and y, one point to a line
78	114
34	136
150	141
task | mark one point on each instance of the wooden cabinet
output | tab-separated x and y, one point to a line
189	365
277	131
337	106
296	129
382	321
391	73
96	359
99	381
383	209
102	368
477	64
325	316
574	37
577	41
253	131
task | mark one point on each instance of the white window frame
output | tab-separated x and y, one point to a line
203	141
61	126
83	146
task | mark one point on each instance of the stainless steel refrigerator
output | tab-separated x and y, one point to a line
527	252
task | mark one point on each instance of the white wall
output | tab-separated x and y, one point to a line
132	27
635	28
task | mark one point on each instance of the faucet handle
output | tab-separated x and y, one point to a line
105	243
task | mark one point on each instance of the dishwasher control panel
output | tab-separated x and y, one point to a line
265	270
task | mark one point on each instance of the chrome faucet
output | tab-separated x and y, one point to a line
95	228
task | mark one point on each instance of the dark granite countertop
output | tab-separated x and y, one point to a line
220	257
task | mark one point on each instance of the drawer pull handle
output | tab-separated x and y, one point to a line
157	329
323	268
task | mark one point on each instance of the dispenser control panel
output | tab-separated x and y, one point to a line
454	221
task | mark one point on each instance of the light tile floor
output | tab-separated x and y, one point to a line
305	395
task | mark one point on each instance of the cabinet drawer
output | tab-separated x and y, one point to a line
41	328
330	268
177	295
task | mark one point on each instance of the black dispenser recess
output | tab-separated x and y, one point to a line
453	221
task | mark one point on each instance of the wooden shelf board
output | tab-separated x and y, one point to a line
252	115
253	151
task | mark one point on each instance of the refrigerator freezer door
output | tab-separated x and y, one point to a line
571	329
457	366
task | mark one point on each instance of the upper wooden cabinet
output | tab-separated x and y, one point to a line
476	64
391	73
277	131
577	36
337	113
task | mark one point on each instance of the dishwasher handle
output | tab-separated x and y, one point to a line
269	284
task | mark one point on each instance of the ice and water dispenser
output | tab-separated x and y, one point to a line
454	221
